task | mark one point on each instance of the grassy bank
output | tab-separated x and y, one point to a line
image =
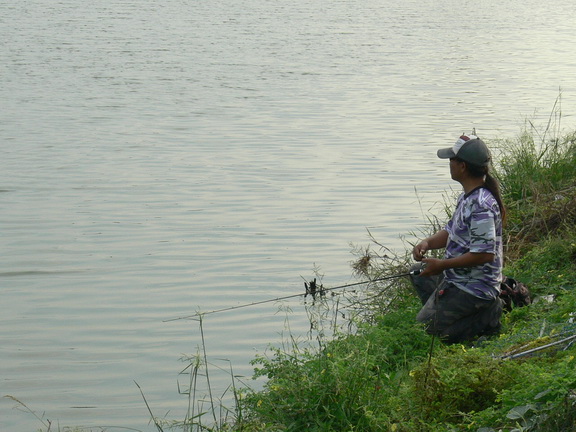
388	375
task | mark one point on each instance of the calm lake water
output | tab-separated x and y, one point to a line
164	157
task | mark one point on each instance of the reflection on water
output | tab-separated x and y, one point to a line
163	159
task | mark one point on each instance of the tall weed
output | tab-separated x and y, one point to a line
537	173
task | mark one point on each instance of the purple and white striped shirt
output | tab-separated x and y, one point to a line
476	226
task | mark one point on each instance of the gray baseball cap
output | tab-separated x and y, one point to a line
470	149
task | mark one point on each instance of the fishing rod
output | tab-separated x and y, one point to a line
311	289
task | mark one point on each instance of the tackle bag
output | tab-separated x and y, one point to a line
514	294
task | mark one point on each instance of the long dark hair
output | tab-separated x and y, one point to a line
490	183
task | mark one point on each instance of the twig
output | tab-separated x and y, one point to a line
540	348
149	410
47	425
207	374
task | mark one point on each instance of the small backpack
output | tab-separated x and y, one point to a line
514	294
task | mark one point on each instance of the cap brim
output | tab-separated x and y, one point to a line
446	153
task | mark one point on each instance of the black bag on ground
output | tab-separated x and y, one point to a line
514	294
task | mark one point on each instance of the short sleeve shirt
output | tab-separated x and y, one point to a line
476	226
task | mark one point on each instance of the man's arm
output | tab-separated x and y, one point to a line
436	266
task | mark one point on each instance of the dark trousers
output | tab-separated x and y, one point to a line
453	314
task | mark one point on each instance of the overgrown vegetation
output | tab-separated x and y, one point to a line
370	367
389	375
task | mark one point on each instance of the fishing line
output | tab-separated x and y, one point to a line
320	291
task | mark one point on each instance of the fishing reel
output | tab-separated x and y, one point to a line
417	271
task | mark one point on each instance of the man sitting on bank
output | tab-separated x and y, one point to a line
460	293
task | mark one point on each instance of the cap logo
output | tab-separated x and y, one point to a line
461	141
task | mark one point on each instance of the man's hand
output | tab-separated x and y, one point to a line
433	266
436	241
420	250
